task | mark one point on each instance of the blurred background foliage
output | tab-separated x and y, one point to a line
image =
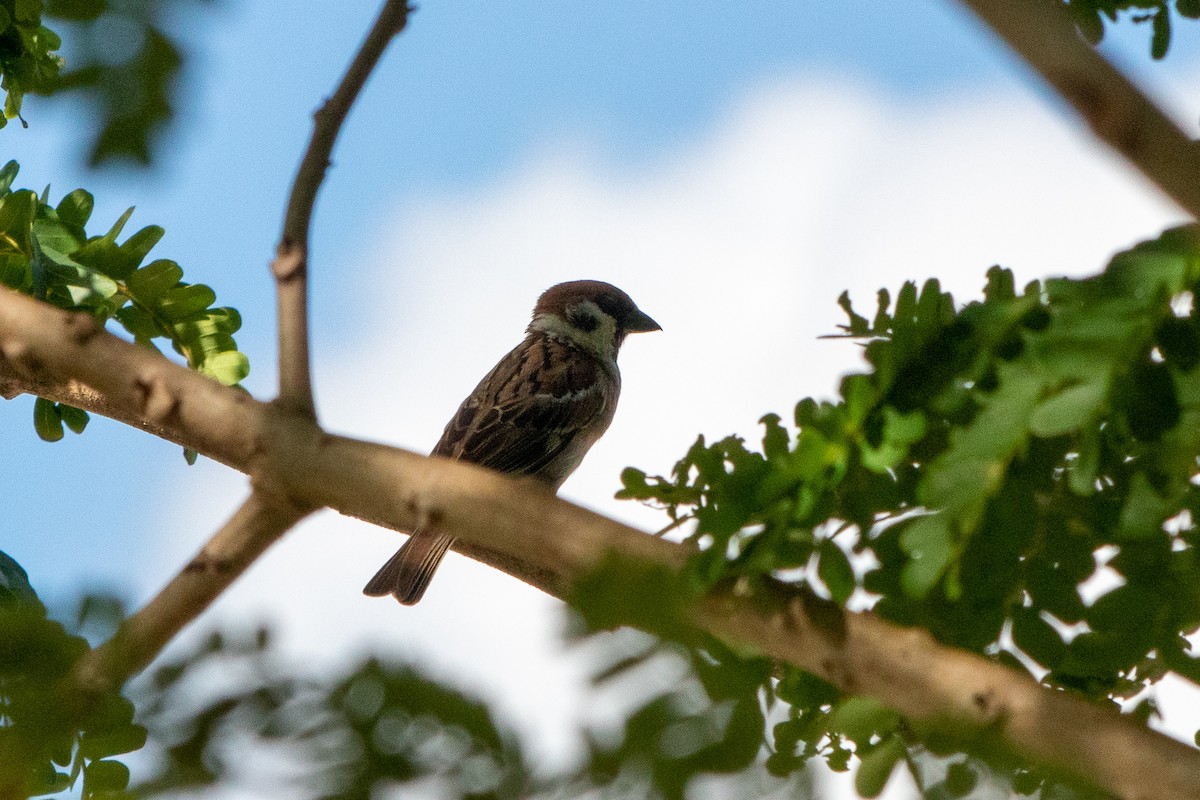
1091	16
227	712
118	59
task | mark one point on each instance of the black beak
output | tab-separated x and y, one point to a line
640	322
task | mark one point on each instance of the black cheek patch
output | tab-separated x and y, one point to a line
583	321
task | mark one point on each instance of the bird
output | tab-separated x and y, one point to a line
535	414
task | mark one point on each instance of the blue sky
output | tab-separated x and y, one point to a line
748	164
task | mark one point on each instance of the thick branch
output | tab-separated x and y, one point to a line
258	524
1042	33
290	266
529	533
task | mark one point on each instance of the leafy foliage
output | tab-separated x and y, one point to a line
1089	16
124	63
377	726
46	252
997	465
28	61
49	742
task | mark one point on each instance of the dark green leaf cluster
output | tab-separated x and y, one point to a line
45	251
28	61
47	744
993	463
123	62
1089	18
709	724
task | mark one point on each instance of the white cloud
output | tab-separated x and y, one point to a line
738	244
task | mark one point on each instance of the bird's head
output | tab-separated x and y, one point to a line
593	315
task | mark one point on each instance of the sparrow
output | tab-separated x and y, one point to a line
536	414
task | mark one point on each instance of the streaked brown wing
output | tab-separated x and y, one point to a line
529	409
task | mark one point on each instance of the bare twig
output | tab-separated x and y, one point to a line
290	266
520	527
259	523
1119	114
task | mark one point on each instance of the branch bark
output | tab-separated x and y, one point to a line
523	529
1117	112
290	266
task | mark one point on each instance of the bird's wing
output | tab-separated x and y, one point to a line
531	407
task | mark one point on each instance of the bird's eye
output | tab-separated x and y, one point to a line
583	320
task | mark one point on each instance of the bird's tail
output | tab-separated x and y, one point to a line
406	575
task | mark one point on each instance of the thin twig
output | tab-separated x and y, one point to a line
1118	113
290	266
256	525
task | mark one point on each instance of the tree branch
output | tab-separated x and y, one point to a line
1118	113
520	527
258	524
290	266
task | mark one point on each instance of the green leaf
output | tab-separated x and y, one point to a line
833	567
16	271
1160	38
186	301
927	541
190	456
140	323
1144	511
858	718
139	244
46	420
14	581
111	743
1124	608
78	10
1069	409
102	255
28	11
105	776
1037	638
118	226
76	208
7	175
17	210
1087	20
960	779
858	325
154	280
877	765
229	367
75	418
775	437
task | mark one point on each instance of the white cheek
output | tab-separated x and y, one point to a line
601	340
